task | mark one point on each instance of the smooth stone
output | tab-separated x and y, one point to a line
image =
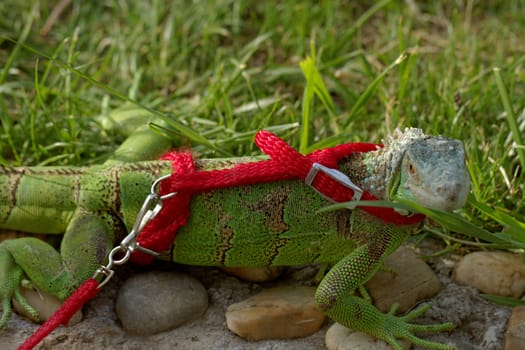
339	337
409	282
44	303
276	313
154	302
254	274
492	272
515	334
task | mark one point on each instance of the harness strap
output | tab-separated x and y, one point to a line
285	163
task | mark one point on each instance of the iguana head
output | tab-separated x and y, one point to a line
429	170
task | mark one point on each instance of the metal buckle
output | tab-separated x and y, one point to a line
335	175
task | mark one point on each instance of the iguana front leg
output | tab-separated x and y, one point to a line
335	296
84	247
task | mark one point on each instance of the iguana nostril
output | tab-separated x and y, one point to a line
449	192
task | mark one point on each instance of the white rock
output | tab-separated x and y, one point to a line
338	337
45	304
493	272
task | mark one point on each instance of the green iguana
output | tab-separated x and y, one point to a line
259	225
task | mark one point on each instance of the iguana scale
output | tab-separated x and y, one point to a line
259	225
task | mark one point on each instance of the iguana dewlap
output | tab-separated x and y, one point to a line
260	225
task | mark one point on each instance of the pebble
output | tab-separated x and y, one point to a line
255	274
492	272
410	282
515	335
276	313
44	303
339	337
154	302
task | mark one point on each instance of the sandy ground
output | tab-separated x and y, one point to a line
482	324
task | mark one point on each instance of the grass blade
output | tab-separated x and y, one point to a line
514	227
450	220
18	44
372	88
315	86
512	120
308	67
505	301
361	20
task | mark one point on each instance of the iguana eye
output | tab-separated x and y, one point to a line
410	168
412	171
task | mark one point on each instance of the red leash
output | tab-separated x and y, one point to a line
317	169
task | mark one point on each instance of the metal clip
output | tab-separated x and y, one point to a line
150	209
337	176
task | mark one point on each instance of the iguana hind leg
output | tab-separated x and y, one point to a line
85	245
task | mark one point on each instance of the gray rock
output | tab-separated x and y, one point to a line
154	302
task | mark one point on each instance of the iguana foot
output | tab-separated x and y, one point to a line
335	296
11	280
396	327
359	314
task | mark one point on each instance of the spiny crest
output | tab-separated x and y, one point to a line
396	145
386	161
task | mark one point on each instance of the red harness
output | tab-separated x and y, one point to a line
318	169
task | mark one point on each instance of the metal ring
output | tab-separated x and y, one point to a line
123	260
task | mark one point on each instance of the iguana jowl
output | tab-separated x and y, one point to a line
259	225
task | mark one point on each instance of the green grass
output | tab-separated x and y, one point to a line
316	74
